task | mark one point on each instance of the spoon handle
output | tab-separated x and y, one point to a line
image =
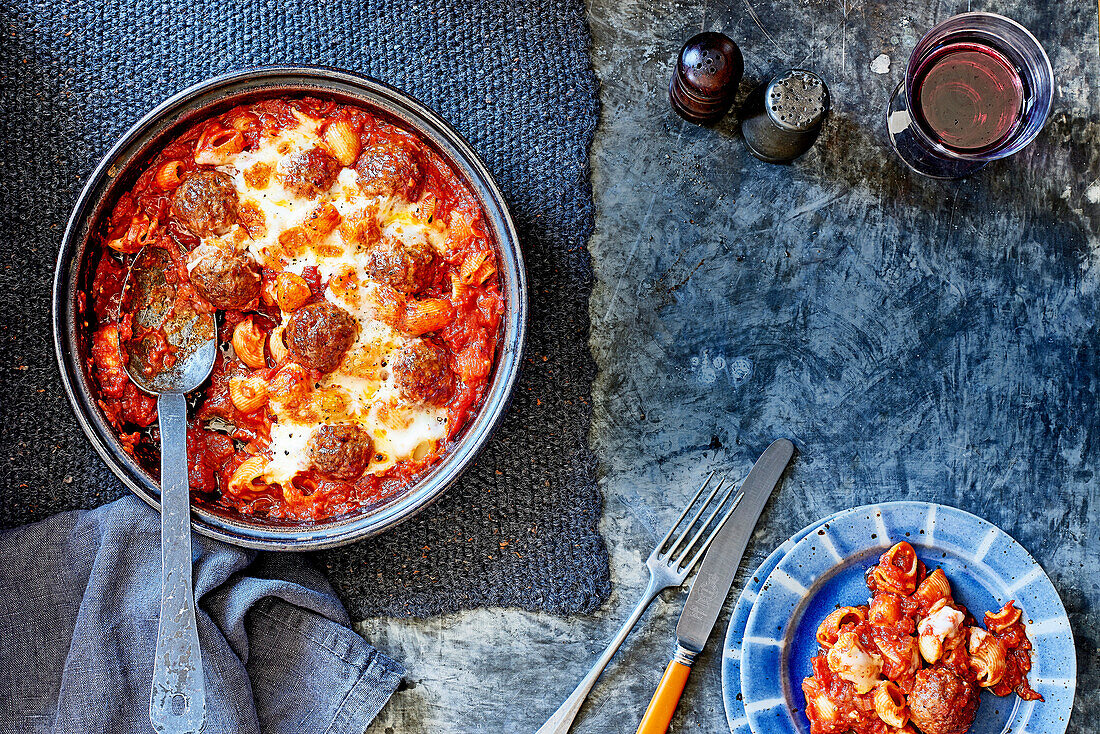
178	701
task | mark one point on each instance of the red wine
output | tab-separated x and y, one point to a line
968	96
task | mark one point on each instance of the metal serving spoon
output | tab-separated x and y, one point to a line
178	700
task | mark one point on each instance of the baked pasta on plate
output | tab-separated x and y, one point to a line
865	626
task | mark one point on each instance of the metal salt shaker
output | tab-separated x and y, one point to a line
782	121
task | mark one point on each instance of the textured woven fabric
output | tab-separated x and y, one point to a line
514	78
79	603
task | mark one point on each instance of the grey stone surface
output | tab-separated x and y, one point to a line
916	339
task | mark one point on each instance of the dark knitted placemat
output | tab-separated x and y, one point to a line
520	529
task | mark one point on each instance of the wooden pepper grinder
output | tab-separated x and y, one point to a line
705	80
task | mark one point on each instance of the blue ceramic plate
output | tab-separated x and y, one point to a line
731	653
986	568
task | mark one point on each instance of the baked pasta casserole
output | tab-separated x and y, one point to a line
357	296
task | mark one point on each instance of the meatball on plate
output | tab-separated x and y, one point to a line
368	288
900	618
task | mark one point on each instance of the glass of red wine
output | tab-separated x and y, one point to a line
978	87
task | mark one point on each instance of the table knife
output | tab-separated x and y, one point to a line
713	583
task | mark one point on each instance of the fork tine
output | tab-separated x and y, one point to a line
676	524
714	533
703	528
702	508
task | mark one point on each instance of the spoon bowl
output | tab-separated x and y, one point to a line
174	345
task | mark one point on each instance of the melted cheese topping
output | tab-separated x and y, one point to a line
941	624
977	637
851	662
361	389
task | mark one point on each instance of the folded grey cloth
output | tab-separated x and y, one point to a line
79	601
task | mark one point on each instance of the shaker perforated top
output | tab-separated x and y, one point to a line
782	120
797	100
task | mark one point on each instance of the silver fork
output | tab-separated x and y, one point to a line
667	567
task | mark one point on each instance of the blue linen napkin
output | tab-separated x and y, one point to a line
79	602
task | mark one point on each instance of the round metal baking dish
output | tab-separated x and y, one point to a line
115	173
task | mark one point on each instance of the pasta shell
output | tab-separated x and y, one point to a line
885	609
890	704
293	242
987	657
426	207
248	394
470	266
246	474
252	218
829	629
849	660
361	228
342	140
320	222
902	659
931	648
825	708
248	343
484	272
459	291
430	314
1003	619
141	232
934	587
217	145
245	121
167	177
897	570
291	292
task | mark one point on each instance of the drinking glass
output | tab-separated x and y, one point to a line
977	87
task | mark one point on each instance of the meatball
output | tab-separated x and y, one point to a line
226	280
407	268
421	373
942	702
319	334
311	173
391	168
341	451
206	203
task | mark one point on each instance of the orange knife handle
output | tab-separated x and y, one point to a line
667	696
